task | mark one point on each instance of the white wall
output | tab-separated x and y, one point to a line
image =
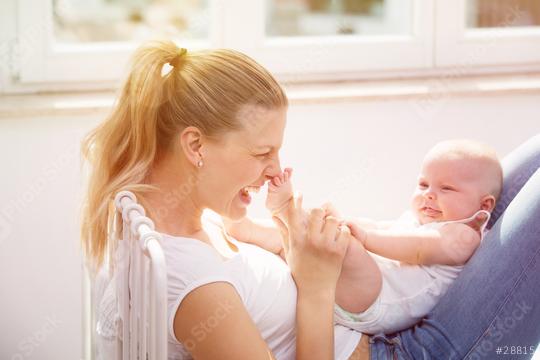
361	155
364	157
40	262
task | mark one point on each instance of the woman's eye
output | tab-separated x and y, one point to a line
263	155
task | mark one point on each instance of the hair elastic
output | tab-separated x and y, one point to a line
167	67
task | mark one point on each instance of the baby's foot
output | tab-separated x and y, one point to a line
280	191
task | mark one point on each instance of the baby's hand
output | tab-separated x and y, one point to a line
357	230
280	191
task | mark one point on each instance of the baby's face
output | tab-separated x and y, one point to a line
447	189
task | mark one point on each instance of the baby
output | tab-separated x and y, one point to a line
395	272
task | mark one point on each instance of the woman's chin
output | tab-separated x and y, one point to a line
238	210
237	214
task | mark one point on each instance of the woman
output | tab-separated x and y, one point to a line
202	136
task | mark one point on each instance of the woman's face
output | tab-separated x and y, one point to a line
242	161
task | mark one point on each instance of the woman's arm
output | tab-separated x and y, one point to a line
212	323
315	325
315	247
260	232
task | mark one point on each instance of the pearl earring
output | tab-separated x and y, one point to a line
200	163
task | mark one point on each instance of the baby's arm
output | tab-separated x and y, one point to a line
260	232
369	224
452	244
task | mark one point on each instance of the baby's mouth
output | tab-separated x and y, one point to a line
429	211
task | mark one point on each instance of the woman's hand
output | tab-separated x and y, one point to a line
314	251
315	247
331	210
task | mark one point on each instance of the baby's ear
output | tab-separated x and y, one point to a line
488	203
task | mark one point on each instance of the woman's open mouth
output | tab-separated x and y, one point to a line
245	193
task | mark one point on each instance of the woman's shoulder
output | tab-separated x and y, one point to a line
190	258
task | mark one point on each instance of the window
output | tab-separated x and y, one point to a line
476	33
311	39
497	13
89	41
347	17
78	21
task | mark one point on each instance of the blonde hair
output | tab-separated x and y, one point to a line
483	154
205	89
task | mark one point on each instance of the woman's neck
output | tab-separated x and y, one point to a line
174	207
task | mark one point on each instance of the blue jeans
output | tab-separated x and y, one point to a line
492	310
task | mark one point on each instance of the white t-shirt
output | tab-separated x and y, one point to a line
263	281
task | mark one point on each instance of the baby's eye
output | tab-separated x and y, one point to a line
422	185
448	188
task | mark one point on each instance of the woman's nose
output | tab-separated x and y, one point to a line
274	169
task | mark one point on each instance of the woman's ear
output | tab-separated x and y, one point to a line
191	140
488	203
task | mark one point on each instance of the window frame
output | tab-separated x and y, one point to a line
432	50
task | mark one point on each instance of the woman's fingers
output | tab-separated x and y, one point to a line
294	212
343	239
316	222
331	210
330	229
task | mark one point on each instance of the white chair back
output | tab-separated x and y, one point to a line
141	285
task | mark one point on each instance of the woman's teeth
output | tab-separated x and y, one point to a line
248	189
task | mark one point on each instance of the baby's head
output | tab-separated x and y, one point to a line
457	179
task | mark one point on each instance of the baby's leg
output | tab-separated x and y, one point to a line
280	191
280	194
360	281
